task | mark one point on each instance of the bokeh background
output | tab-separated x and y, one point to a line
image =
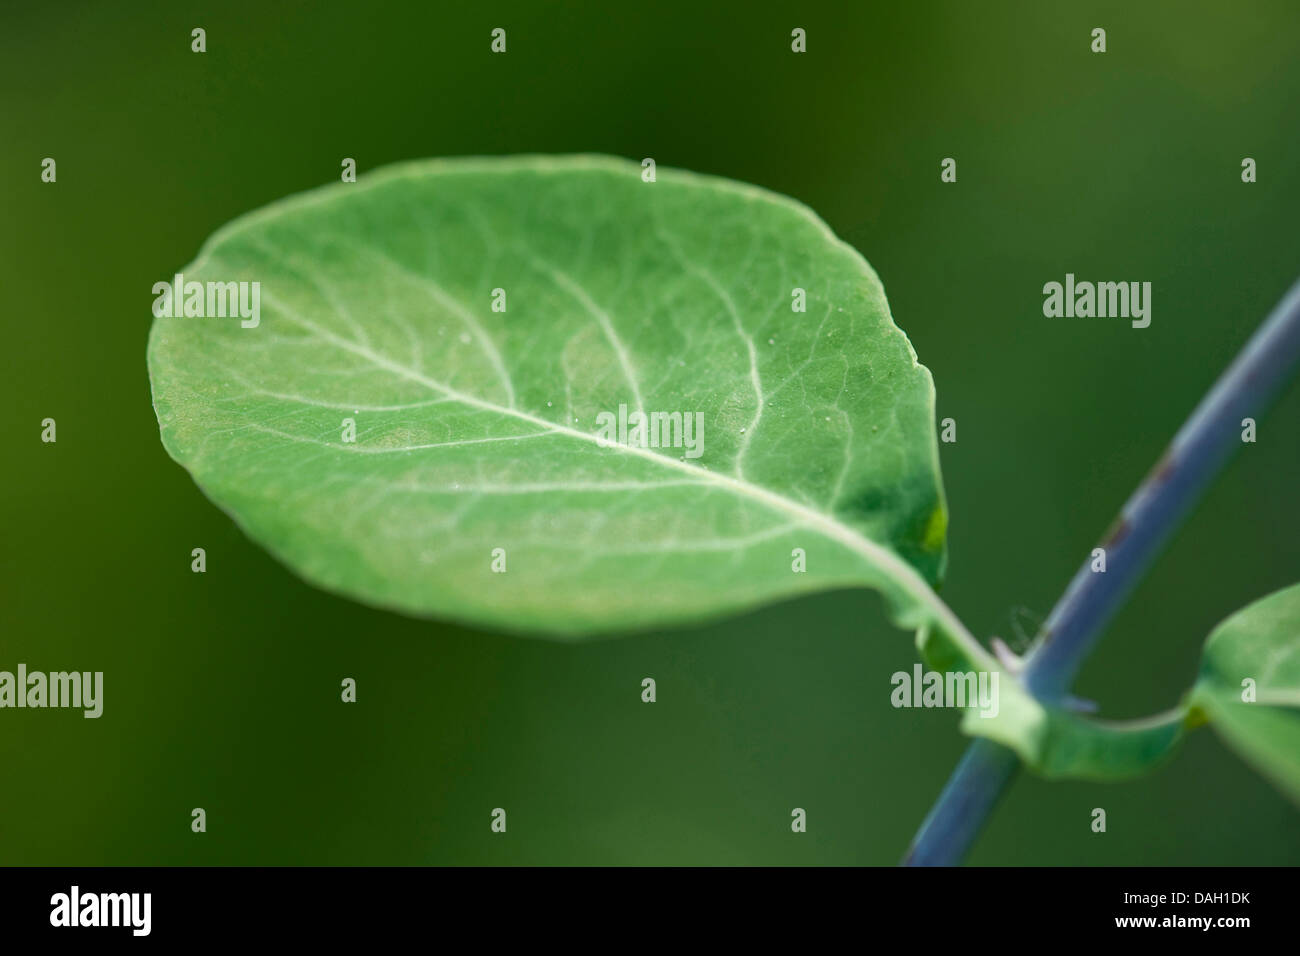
222	690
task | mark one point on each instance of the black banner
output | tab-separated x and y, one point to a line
377	905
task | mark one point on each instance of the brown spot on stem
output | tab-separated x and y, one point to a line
1163	469
1116	533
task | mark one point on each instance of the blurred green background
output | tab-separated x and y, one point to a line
222	690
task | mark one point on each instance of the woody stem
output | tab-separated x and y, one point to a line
1195	456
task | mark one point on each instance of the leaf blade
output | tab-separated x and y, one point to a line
1261	642
385	291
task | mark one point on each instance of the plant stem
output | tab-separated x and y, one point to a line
1195	456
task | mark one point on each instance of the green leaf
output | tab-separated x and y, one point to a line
1260	719
1058	744
1260	644
477	429
1052	741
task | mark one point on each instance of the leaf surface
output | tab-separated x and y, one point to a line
1259	644
478	429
